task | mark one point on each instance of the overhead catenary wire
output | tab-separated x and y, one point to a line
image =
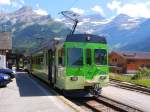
75	20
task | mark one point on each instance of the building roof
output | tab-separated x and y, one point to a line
134	55
5	41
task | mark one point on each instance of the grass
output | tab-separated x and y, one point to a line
142	82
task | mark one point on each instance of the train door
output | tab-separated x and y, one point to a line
60	68
51	67
89	71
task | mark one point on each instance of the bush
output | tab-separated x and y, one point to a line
143	73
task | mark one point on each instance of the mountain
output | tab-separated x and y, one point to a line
122	32
119	29
30	29
93	17
140	38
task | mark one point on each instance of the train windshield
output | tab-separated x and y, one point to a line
100	56
75	57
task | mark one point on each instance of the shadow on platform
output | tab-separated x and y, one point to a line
29	87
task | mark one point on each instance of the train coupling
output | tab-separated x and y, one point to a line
95	90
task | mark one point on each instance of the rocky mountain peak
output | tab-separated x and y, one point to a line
121	18
24	9
94	17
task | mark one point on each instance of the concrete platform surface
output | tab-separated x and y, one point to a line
25	95
128	97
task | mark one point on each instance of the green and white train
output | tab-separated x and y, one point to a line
77	65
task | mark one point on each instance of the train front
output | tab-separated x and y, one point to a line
86	63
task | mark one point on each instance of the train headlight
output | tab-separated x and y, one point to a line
74	78
102	77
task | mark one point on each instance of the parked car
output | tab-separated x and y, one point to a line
4	79
8	72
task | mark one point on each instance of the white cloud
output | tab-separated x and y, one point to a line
59	19
78	10
114	5
5	2
98	9
22	2
15	4
133	10
41	12
37	5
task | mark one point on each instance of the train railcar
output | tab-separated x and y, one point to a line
75	65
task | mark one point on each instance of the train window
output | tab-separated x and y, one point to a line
61	57
88	57
39	59
100	57
46	58
75	56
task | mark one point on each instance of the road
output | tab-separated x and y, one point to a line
26	95
131	98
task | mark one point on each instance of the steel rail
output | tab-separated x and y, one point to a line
104	104
129	86
116	105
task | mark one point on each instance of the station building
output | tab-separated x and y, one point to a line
5	48
5	43
128	62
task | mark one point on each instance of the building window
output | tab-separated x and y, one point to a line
114	60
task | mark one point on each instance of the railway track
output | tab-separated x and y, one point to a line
103	104
130	86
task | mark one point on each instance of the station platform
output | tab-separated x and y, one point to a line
24	94
134	99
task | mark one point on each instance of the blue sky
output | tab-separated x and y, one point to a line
107	8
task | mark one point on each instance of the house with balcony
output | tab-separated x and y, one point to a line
128	62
